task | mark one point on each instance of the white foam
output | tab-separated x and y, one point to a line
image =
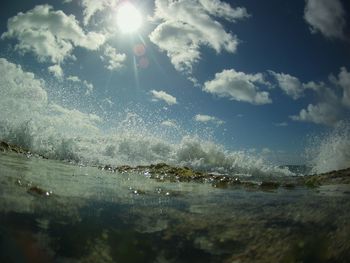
331	151
29	119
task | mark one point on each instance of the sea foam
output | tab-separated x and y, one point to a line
31	119
331	151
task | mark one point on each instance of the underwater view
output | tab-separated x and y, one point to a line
171	131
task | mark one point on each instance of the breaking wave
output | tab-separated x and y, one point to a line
330	151
89	145
31	120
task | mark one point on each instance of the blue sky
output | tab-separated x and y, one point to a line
251	74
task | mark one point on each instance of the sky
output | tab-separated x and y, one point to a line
259	75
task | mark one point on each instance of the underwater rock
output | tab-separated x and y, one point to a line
38	191
269	185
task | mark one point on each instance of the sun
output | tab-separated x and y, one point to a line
129	18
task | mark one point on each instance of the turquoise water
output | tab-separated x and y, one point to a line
83	214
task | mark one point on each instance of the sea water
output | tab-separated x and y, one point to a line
54	211
44	119
84	214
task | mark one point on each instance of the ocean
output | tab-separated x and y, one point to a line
58	206
54	211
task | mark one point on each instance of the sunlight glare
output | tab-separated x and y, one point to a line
129	19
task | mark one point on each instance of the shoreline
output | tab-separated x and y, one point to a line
165	172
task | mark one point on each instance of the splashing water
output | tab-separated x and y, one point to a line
29	119
331	151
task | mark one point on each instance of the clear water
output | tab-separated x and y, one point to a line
97	216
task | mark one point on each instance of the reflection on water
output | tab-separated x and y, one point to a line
96	216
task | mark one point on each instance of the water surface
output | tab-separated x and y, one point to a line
88	215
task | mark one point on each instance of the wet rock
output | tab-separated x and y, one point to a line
124	168
333	177
39	191
6	147
163	172
289	185
269	186
138	192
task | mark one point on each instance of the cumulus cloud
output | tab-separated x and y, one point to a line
207	118
238	86
328	110
185	26
73	78
321	113
293	87
326	17
289	84
162	95
50	35
92	6
21	92
224	10
169	123
57	71
114	60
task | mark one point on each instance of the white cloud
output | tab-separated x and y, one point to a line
289	84
21	92
114	60
224	10
185	26
328	110
293	87
67	1
207	118
169	123
162	95
73	78
57	71
326	17
238	86
313	86
321	113
50	35
93	6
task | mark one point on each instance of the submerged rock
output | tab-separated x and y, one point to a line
39	191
